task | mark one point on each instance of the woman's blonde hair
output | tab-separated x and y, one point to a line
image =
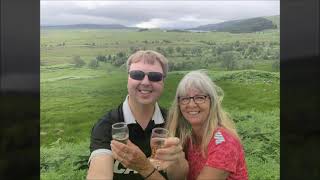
179	127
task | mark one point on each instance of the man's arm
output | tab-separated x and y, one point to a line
101	167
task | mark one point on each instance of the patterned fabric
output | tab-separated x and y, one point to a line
218	137
225	152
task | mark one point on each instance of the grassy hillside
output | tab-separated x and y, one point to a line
68	160
59	46
185	50
81	96
72	101
74	98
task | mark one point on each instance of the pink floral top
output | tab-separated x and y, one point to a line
225	152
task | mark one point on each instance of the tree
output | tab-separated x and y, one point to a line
253	49
208	58
196	51
77	61
228	60
158	49
237	43
119	62
161	51
121	54
170	50
178	49
101	58
93	64
183	51
119	59
171	66
133	49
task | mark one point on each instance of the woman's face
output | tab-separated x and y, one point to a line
196	112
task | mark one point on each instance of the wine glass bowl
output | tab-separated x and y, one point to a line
120	132
158	137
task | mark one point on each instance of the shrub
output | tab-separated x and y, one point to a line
228	60
77	61
101	58
64	161
276	65
94	64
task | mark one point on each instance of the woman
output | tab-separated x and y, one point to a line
209	138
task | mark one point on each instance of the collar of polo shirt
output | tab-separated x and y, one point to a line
129	118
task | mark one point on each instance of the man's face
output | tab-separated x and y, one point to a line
145	91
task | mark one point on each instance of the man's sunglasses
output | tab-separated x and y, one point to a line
152	76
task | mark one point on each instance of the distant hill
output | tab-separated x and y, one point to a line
235	26
240	26
275	20
87	26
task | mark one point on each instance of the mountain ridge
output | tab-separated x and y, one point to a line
234	26
241	25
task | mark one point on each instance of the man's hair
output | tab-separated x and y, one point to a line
149	57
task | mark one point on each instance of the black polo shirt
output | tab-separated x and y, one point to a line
101	136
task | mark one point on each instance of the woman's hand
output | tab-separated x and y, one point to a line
170	153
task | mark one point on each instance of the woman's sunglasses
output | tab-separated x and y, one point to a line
152	76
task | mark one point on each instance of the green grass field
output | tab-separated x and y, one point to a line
73	99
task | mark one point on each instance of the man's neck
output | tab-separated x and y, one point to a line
142	112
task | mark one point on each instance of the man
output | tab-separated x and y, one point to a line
113	160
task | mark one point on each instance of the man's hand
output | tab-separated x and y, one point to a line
130	156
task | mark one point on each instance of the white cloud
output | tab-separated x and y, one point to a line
155	23
91	5
153	14
84	19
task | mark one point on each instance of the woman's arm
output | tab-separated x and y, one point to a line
178	170
212	173
173	155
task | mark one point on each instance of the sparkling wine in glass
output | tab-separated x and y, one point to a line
158	137
120	132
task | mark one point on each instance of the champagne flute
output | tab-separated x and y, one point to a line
158	137
120	132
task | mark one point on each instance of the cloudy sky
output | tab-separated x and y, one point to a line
153	14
